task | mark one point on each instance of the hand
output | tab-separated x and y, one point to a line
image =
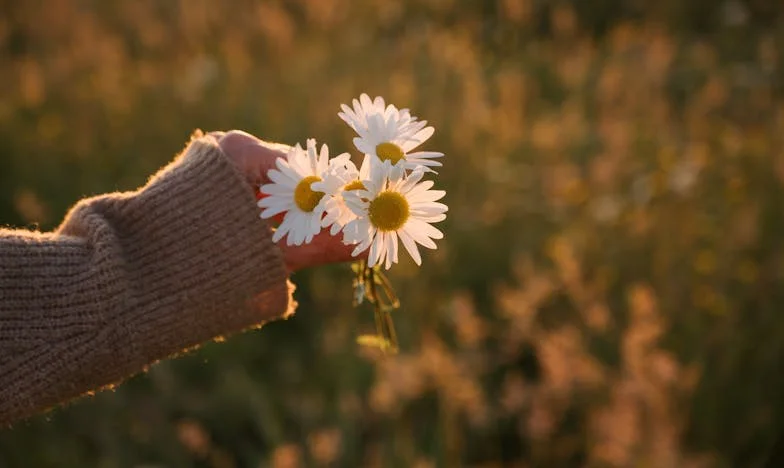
254	158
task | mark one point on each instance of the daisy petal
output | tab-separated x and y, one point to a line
410	246
272	211
425	228
419	138
279	178
427	196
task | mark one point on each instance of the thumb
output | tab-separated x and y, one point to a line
252	156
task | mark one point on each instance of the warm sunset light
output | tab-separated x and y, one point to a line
442	233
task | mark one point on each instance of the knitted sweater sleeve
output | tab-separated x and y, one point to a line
132	278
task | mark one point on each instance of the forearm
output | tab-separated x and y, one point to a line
132	278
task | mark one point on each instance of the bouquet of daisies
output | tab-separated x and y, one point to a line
384	202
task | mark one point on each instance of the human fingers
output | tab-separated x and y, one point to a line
323	249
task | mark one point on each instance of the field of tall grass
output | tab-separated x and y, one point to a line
610	290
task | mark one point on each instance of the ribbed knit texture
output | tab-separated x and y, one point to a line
131	278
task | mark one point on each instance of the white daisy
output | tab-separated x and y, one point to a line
389	134
341	176
394	205
356	117
291	192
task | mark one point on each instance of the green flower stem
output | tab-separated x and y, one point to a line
366	286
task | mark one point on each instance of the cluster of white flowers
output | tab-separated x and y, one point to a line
386	199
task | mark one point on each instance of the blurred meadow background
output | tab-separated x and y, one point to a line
610	291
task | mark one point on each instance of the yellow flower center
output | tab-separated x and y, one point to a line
305	198
390	151
389	211
356	185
